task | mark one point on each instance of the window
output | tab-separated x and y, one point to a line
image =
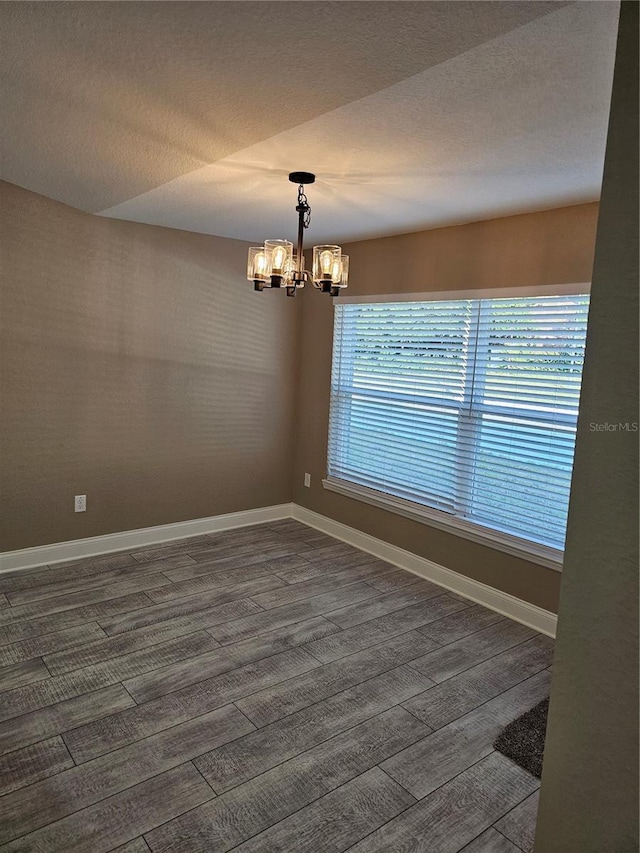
466	406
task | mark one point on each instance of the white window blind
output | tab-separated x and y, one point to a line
467	406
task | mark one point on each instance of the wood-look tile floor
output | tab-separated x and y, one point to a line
259	690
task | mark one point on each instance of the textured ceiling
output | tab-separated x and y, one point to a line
413	114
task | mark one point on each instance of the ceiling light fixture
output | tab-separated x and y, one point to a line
277	265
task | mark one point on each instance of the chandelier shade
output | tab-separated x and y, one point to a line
257	267
279	260
276	265
344	271
327	266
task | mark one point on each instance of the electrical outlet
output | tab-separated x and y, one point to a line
307	480
80	503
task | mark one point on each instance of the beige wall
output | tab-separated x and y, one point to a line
550	247
589	794
138	367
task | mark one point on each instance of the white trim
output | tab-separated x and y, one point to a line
521	611
508	605
542	555
576	289
76	549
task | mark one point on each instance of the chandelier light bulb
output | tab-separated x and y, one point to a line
279	256
260	265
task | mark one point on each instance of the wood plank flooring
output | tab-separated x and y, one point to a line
258	690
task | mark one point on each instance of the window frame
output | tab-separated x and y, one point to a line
543	555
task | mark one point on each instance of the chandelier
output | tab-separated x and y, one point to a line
276	264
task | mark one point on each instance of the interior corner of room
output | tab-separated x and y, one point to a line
166	406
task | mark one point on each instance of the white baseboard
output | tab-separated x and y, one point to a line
59	552
515	608
508	605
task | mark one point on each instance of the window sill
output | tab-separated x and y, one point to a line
540	554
